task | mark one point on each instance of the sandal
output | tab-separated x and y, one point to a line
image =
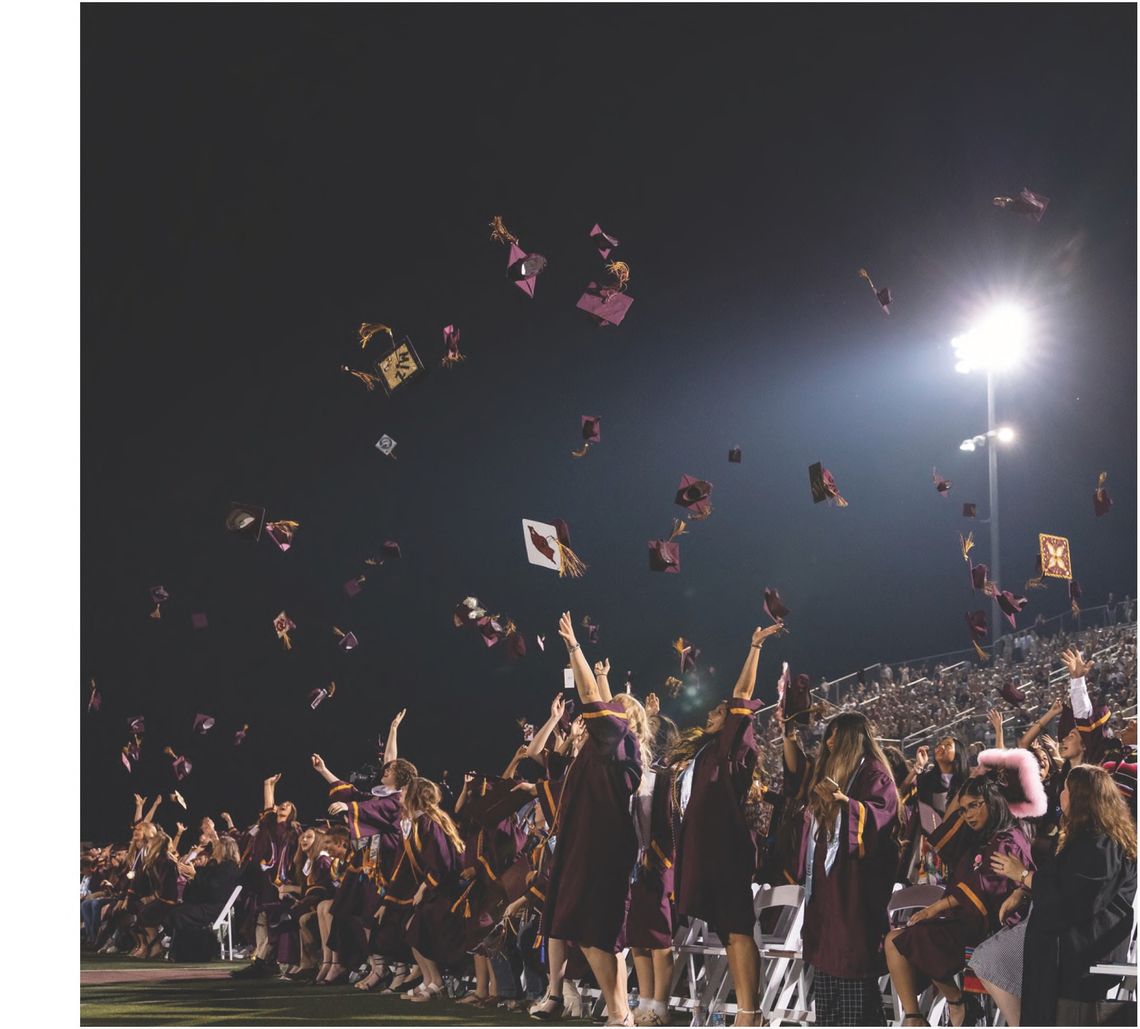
968	1001
422	994
370	981
910	1015
549	1009
470	998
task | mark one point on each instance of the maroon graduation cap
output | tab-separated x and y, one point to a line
390	550
1010	605
451	337
353	587
1074	596
664	556
283	625
979	577
969	510
346	640
591	429
158	597
941	484
282	533
136	725
591	628
734	455
1102	502
245	520
605	304
883	296
203	723
1027	203
181	766
240	735
774	607
1012	693
977	623
321	694
693	494
603	241
823	485
198	620
687	653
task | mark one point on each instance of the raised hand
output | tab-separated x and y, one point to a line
602	667
180	827
566	631
399	717
1056	708
338	807
760	634
318	763
228	819
996	719
652	705
921	758
273	780
1077	666
557	707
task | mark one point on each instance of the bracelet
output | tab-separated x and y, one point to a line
577	646
756	646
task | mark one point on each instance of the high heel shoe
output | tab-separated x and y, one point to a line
549	1009
973	1010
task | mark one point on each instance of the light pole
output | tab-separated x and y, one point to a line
994	344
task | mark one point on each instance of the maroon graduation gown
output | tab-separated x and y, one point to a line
846	916
433	928
716	852
651	896
596	846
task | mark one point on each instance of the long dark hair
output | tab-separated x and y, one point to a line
961	769
988	788
852	742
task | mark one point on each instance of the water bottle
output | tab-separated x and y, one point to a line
716	1018
633	998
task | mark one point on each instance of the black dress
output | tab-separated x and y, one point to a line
1082	916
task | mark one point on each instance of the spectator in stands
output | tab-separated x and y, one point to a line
938	783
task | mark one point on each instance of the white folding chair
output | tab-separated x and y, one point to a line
224	926
903	902
785	980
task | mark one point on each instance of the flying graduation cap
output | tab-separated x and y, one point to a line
178	799
198	620
1056	558
522	268
941	484
1009	604
451	341
320	694
979	579
283	625
734	455
548	546
181	766
240	735
823	485
203	724
603	241
387	446
979	627
591	429
687	653
693	495
883	296
1101	500
1027	203
774	607
353	587
969	510
345	640
608	303
1074	596
591	628
282	533
136	725
158	597
1012	693
664	556
245	520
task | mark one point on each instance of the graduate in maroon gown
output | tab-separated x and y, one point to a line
596	847
433	847
716	851
848	857
978	825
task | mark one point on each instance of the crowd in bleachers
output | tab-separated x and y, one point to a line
612	833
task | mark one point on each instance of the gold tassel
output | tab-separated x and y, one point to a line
170	753
368	380
1075	608
1101	479
332	690
500	233
678	529
982	655
157	612
967	545
339	635
695	517
510	629
620	271
450	359
291	526
582	452
369	329
285	639
570	564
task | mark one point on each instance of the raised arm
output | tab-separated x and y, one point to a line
149	816
462	798
999	728
1038	727
513	764
1078	690
321	769
267	792
746	684
584	680
602	677
538	742
391	749
140	803
792	753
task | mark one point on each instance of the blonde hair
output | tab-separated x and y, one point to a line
422	797
638	724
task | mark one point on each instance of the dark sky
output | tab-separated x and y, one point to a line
257	181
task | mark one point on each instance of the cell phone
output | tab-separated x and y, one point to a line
568	678
827	778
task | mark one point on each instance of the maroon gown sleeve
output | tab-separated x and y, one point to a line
738	735
607	722
872	811
952	838
979	889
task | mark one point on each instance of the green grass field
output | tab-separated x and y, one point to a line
120	991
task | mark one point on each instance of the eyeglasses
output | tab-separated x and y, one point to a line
974	805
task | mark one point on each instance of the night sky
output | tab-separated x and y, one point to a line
257	181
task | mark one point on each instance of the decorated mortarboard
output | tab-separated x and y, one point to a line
734	455
240	735
387	446
282	533
467	612
664	556
181	766
136	725
245	520
969	510
522	267
1012	693
608	304
673	686
199	620
493	628
774	607
354	586
345	640
693	495
526	728
95	701
178	799
203	723
591	628
687	653
941	484
451	342
1009	604
823	485
158	597
591	434
1074	596
398	366
603	241
1028	203
321	693
1101	500
548	546
1056	559
883	296
283	625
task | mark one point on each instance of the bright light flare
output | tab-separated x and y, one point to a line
1006	434
996	343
